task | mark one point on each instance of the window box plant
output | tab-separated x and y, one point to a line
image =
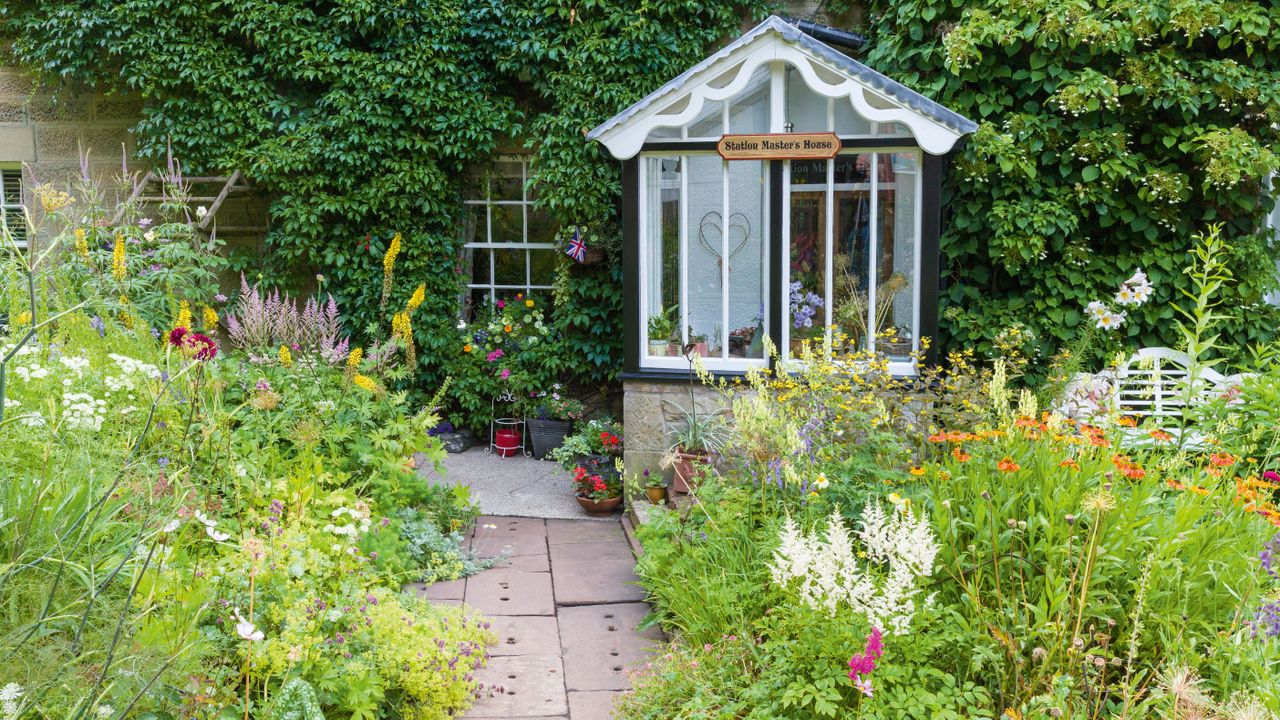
550	419
662	328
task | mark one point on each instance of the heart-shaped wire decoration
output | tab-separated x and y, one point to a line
712	222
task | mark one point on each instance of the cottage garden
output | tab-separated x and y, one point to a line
216	495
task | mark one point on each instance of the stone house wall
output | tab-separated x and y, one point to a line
651	410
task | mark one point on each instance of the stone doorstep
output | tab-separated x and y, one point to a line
510	592
532	686
592	704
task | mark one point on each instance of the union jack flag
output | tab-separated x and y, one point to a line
577	247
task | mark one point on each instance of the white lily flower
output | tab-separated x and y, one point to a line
201	212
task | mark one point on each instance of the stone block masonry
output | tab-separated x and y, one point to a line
651	411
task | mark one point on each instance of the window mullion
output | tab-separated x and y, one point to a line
873	253
724	261
829	232
684	250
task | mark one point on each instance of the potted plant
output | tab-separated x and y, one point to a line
698	341
655	487
661	328
598	440
693	443
597	486
550	419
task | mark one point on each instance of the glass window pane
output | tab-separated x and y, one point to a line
542	266
706	226
748	200
749	110
662	250
852	262
508	223
12	182
710	121
477	260
508	267
806	312
507	182
477	300
473	223
806	110
849	122
897	175
542	229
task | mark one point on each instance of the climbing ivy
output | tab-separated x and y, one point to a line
1111	132
362	119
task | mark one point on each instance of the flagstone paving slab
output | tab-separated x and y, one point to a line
525	634
451	591
524	563
590	582
509	536
592	705
605	552
560	532
601	644
527	686
510	592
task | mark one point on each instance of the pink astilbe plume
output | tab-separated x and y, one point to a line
262	322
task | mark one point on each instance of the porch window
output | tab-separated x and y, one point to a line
11	213
779	189
510	244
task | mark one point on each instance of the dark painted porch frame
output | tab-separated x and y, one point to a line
930	229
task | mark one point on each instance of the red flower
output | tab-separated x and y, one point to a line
176	335
202	345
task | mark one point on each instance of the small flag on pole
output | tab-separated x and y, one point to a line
577	247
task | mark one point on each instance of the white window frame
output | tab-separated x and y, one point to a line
5	207
1273	224
725	362
896	367
526	205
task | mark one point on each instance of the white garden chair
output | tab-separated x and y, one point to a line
1156	385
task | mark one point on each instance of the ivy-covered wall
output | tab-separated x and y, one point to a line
1111	133
363	119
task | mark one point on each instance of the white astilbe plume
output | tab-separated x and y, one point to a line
825	571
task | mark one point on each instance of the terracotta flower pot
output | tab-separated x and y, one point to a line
657	495
689	469
599	506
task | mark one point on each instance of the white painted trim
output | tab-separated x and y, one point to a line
625	139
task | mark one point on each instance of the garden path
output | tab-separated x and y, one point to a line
515	486
564	607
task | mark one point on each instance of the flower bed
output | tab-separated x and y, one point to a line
881	548
199	528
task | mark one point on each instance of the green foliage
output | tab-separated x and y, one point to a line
186	534
1109	133
362	119
296	701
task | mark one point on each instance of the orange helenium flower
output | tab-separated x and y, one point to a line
1008	465
959	454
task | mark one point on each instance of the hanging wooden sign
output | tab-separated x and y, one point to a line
779	146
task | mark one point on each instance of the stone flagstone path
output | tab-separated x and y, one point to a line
565	609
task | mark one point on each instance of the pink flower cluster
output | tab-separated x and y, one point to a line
1271	476
494	355
862	664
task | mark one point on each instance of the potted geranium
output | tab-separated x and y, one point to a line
597	486
550	419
